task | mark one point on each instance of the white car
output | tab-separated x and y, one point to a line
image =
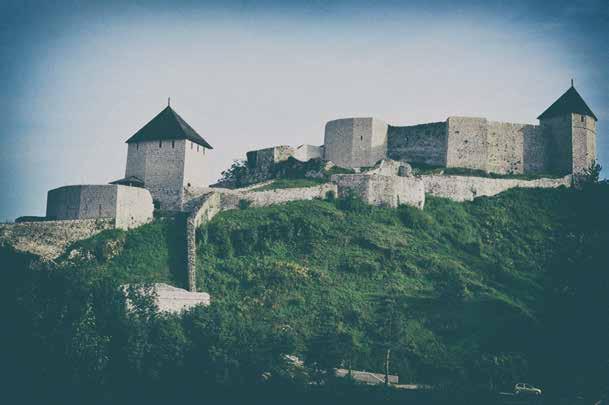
522	388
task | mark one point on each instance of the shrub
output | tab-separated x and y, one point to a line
236	175
413	217
244	204
330	196
352	203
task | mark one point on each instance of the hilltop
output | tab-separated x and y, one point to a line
462	293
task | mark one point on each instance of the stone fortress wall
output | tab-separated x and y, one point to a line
464	142
127	207
560	145
425	143
263	159
467	188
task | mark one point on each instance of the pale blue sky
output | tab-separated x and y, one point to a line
80	78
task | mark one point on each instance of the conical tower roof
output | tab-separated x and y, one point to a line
570	102
168	125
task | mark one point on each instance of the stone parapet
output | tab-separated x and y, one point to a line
466	188
380	190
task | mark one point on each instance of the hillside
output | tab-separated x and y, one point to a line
460	293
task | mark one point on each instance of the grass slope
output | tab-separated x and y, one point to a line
466	278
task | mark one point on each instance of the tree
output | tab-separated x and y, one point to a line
390	328
236	175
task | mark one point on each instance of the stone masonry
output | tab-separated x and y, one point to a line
167	168
49	239
128	207
563	142
466	188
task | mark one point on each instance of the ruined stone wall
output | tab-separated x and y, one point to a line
379	190
167	298
282	153
280	196
176	300
467	143
263	159
466	188
205	207
425	143
307	152
355	142
49	239
160	164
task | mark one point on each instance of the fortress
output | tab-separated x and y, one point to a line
166	171
563	142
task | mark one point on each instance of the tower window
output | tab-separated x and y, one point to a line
197	148
204	151
361	138
160	144
173	144
137	146
191	144
583	118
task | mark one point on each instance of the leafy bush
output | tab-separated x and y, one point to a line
493	289
244	204
236	175
351	202
414	218
330	196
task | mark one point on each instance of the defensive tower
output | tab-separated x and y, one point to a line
167	157
570	126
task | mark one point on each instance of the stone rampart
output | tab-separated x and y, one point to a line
168	298
205	207
380	190
308	152
129	206
466	188
467	144
279	196
49	239
425	143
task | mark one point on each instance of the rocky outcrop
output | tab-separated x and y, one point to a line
49	239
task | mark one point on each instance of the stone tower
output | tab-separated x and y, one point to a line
570	128
355	142
167	157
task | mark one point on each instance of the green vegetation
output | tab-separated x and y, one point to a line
151	253
290	183
463	296
240	174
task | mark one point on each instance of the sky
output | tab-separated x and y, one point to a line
80	77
